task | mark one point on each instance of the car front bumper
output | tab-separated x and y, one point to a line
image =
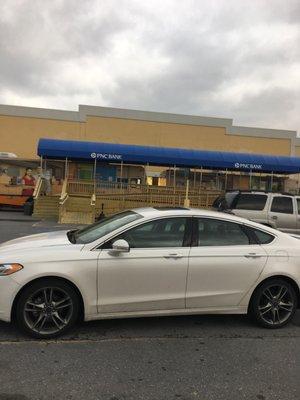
8	290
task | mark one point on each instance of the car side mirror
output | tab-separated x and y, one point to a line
120	246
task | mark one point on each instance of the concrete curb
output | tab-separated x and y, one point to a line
19	220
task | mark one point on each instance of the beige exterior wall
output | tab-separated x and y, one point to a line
20	134
149	133
297	151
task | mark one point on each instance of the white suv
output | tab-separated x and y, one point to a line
278	210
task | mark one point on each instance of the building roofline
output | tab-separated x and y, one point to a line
34	112
265	132
108	112
152	116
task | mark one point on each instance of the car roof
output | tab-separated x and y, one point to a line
184	211
151	212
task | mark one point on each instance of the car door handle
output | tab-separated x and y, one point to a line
173	255
252	255
274	217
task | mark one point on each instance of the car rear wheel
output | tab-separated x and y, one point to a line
47	308
274	303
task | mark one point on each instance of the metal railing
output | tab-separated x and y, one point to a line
87	188
116	196
64	193
39	187
130	200
81	188
93	200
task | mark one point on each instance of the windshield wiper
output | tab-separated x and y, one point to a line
71	236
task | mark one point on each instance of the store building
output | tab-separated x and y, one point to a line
139	147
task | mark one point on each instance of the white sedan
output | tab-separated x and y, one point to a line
150	262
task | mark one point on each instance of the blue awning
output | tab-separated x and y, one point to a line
166	156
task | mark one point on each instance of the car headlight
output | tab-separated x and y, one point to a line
8	269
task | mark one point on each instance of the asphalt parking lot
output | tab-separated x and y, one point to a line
184	358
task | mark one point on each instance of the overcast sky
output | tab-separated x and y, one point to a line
226	58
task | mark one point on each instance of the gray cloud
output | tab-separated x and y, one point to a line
239	59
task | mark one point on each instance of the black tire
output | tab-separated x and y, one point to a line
273	303
53	302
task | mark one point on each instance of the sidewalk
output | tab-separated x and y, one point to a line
16	216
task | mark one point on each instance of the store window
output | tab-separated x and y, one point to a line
85	172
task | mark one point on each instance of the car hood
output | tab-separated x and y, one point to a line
57	238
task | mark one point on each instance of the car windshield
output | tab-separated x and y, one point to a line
103	227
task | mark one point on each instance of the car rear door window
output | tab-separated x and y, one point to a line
248	201
166	232
282	204
215	232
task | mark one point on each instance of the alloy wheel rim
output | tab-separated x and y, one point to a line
276	304
48	310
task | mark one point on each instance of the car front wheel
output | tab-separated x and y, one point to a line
274	303
47	308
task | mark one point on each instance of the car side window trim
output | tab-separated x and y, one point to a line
195	232
186	239
188	234
253	239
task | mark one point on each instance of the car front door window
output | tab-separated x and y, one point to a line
161	233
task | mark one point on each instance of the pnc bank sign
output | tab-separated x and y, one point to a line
106	156
248	166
